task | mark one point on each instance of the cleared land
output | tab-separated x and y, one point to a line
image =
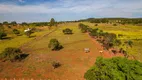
129	32
75	62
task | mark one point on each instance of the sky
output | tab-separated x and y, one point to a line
63	10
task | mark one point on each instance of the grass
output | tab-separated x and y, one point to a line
72	56
129	32
17	41
74	42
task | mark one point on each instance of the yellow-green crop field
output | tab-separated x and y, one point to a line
129	32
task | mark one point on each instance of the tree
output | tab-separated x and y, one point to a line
129	43
114	24
116	68
96	24
5	23
67	31
1	24
24	24
15	31
108	40
52	22
2	34
54	44
94	32
28	33
117	42
11	54
84	28
14	23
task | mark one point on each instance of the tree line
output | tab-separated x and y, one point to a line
114	20
107	40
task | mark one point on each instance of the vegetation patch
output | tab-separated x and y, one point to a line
15	31
67	31
54	45
12	54
115	69
56	64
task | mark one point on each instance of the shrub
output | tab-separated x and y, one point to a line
9	26
96	24
11	54
54	44
114	51
114	24
15	31
84	28
2	34
115	69
67	31
28	33
56	64
52	22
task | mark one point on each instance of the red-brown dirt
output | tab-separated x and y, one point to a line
38	66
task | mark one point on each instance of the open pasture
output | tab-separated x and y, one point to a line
129	32
74	61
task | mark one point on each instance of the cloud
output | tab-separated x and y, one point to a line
57	7
73	9
22	1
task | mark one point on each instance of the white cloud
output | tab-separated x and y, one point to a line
22	1
81	8
64	6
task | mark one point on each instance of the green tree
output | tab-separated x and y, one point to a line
5	23
67	31
54	44
2	34
14	23
129	43
52	22
15	31
11	54
28	33
84	28
116	68
117	42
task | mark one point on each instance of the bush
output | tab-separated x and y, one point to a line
15	31
54	44
115	69
67	31
56	64
28	33
11	54
84	28
2	34
114	24
96	24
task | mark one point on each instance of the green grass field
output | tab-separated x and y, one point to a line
129	32
77	39
17	41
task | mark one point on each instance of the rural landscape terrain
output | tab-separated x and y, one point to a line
70	39
71	61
